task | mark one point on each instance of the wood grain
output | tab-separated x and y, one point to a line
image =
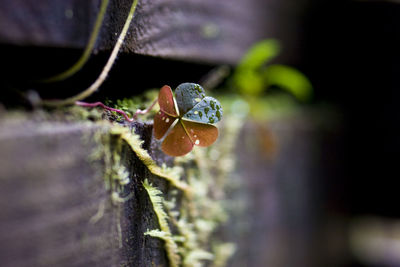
204	31
50	190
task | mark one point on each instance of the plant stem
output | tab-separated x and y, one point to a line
123	113
88	49
141	112
96	104
103	75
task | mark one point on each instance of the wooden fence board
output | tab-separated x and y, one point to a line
50	190
208	30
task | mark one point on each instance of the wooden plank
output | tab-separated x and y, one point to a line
50	190
284	164
205	31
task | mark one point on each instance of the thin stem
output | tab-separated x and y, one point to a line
123	113
97	104
141	112
103	75
88	49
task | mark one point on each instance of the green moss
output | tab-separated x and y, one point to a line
194	208
170	246
172	175
114	173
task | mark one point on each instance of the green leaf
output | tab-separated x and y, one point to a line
208	110
289	79
259	54
247	77
249	82
188	95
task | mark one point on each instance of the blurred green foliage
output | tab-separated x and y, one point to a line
290	79
253	76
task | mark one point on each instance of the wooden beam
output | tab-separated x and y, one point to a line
52	196
204	31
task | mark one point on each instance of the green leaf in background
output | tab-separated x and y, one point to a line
253	75
249	82
247	78
289	79
259	54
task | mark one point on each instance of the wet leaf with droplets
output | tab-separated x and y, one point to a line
208	110
177	143
162	122
166	101
201	134
188	95
194	113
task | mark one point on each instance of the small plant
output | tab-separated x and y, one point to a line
189	119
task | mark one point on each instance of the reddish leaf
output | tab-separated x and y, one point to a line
201	134
166	101
177	143
162	122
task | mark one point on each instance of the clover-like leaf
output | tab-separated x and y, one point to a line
209	110
167	114
177	142
188	95
166	101
193	115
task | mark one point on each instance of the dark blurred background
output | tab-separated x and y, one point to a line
351	55
332	197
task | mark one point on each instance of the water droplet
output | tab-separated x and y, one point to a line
195	136
167	120
163	118
212	104
197	142
198	89
196	112
197	99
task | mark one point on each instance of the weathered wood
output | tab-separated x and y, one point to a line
50	190
206	31
278	219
